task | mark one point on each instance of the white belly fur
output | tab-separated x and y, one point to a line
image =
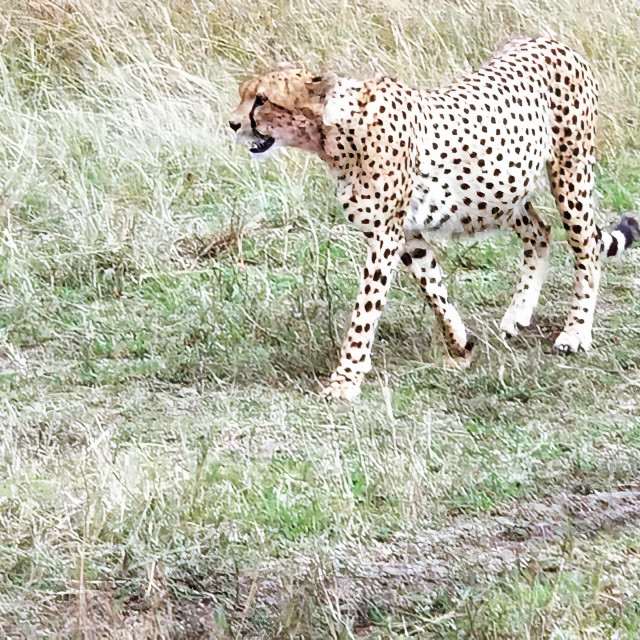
430	211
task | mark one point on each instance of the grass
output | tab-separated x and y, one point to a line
168	308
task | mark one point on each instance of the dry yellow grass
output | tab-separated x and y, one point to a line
166	469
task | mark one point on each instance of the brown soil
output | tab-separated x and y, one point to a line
278	596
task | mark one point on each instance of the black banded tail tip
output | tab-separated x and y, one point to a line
630	229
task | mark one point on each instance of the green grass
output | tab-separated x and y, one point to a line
168	309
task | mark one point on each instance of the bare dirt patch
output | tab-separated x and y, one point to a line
280	597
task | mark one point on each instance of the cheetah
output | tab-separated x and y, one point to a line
451	162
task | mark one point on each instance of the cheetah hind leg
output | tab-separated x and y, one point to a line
536	237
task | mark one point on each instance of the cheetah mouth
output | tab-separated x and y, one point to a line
261	145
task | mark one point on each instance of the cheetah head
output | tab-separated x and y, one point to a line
282	109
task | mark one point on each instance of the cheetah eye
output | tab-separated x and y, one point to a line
259	101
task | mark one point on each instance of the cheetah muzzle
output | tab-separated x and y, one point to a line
452	162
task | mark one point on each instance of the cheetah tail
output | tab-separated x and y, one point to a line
627	232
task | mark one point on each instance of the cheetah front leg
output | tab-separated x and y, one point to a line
419	257
355	355
536	237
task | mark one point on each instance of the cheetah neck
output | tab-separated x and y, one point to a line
299	127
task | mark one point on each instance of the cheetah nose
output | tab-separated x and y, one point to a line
234	125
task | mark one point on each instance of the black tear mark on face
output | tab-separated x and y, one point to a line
258	102
264	141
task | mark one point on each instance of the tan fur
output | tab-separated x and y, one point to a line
455	161
293	107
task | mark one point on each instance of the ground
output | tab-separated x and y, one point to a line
168	310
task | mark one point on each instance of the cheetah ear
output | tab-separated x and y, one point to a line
299	91
321	85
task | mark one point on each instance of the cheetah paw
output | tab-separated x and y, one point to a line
341	389
571	342
513	321
460	361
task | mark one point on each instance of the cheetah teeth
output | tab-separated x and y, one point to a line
260	146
